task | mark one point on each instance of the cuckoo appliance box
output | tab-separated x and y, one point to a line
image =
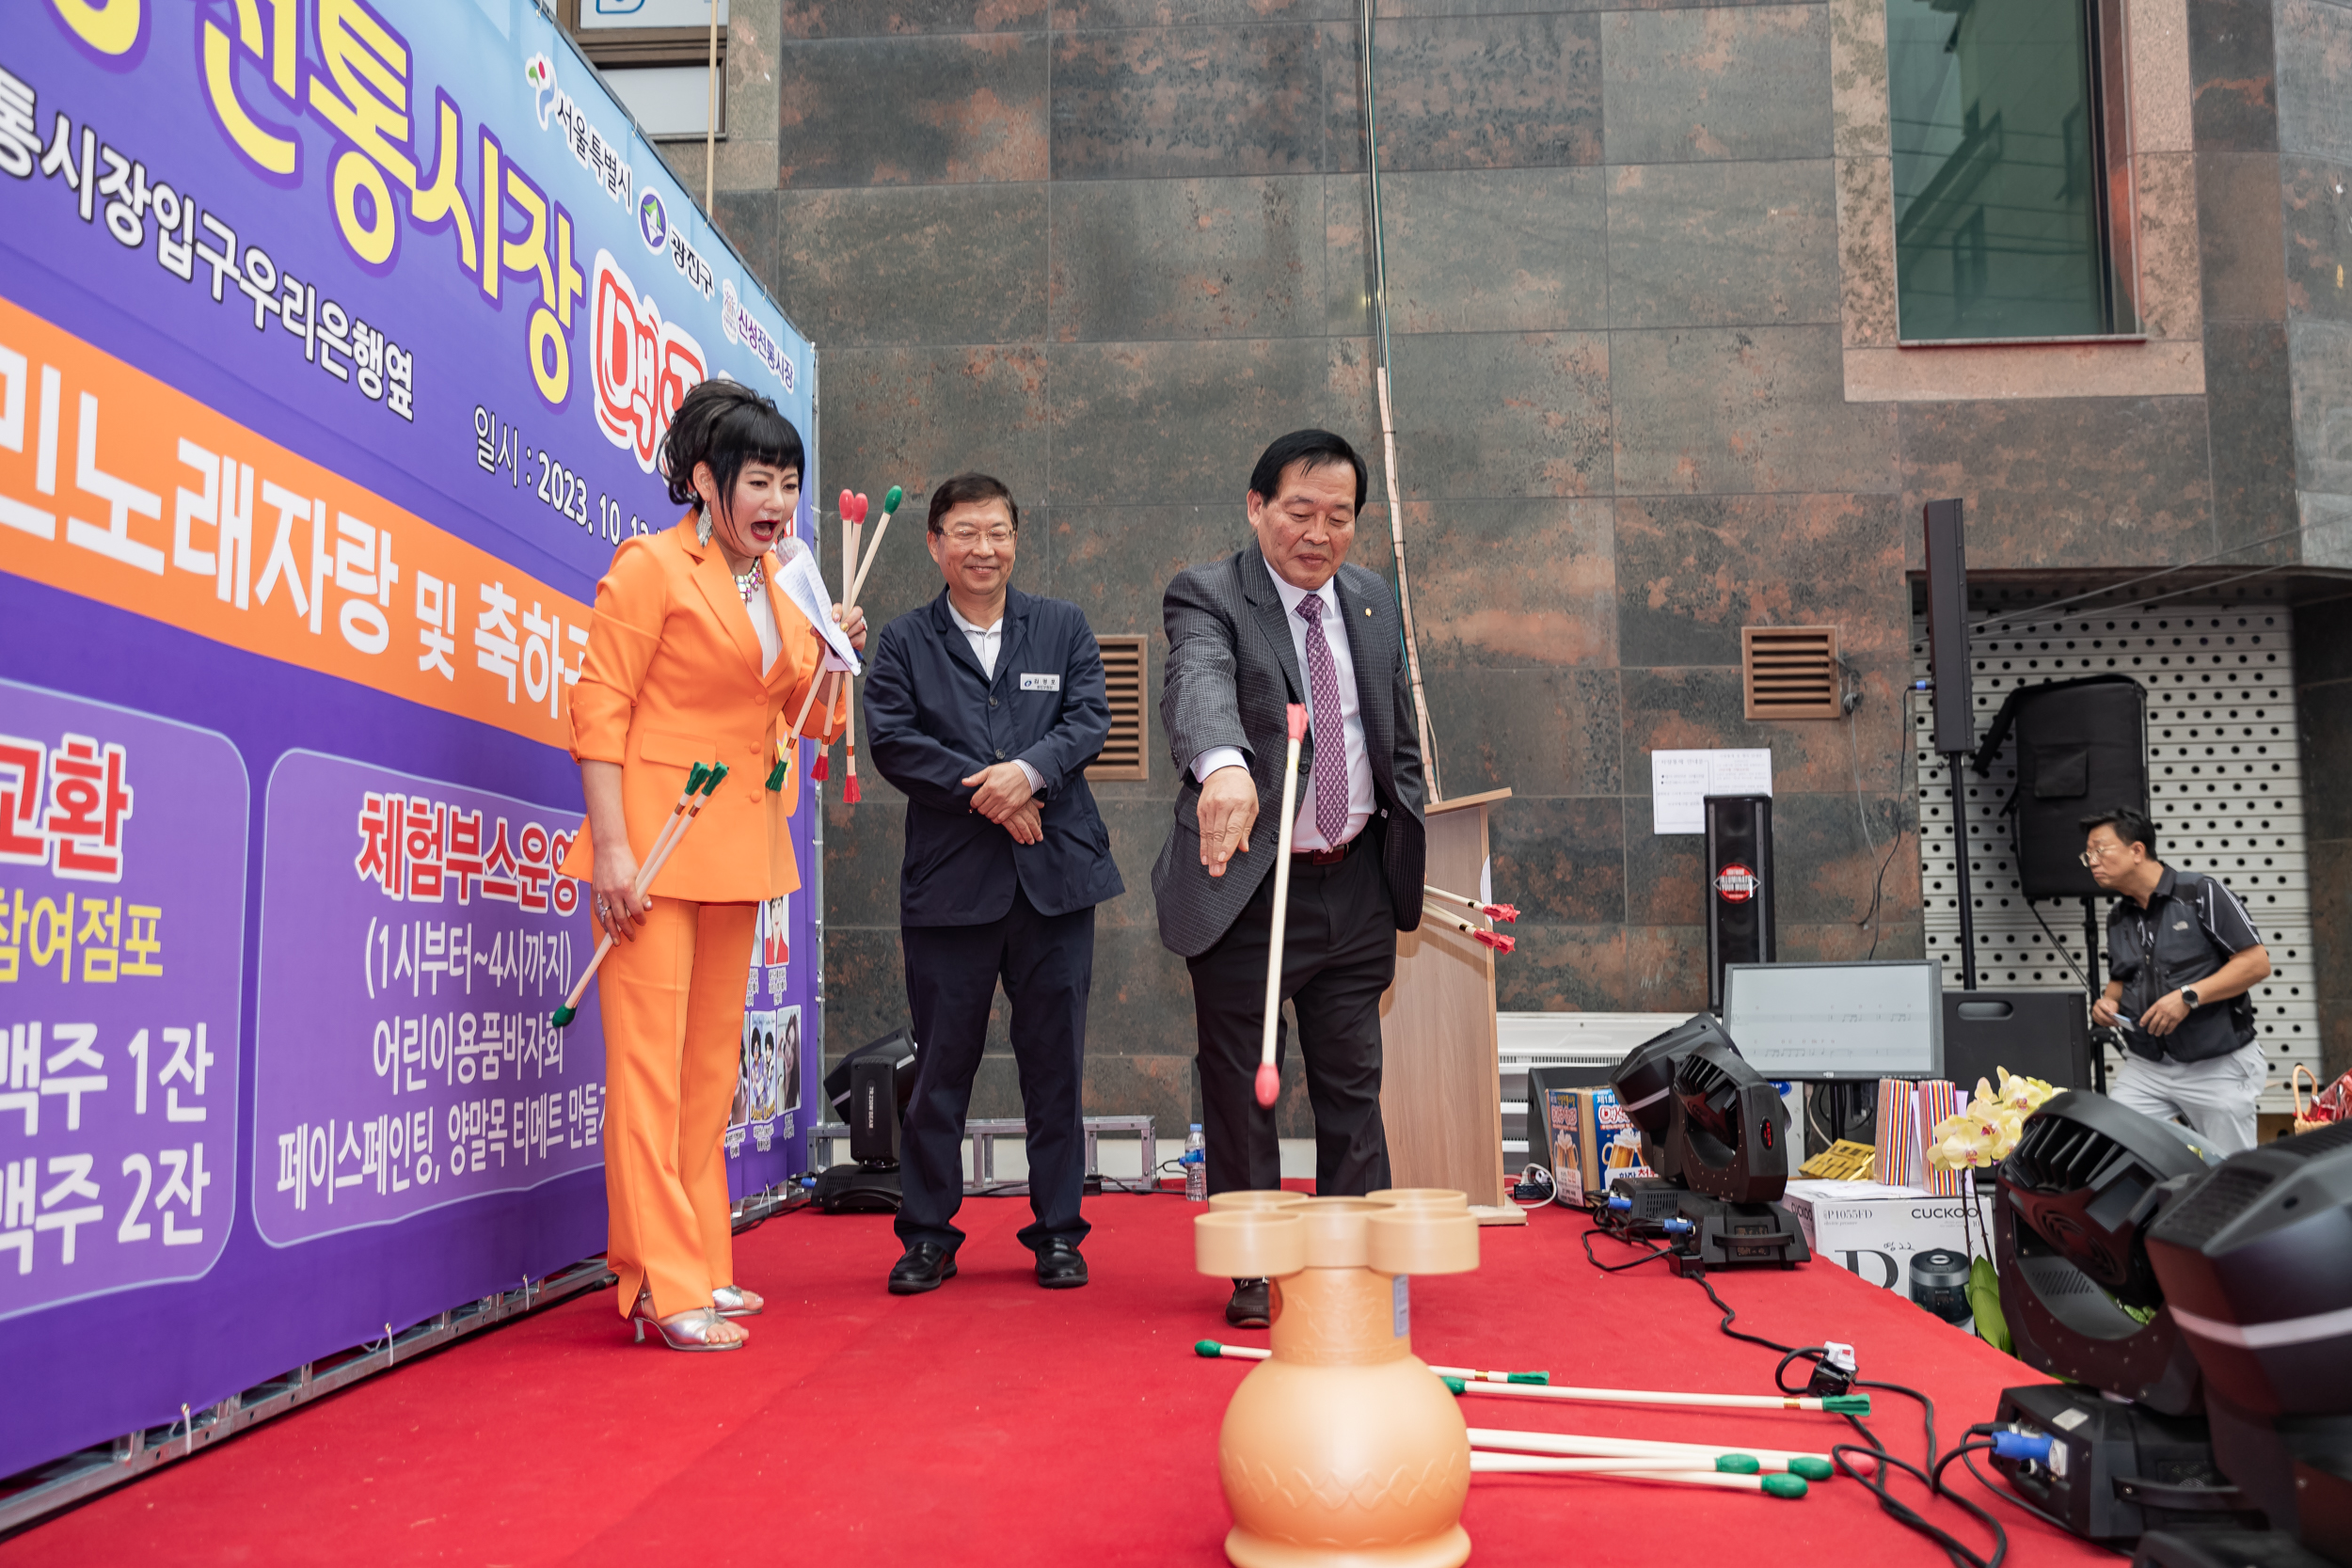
1874	1230
1593	1142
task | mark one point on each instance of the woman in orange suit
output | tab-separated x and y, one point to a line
694	656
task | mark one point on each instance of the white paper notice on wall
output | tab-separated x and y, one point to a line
1681	782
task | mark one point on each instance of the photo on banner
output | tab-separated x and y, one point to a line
334	361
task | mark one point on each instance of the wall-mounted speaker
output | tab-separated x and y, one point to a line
1738	891
2082	748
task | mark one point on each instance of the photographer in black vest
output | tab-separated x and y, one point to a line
2182	956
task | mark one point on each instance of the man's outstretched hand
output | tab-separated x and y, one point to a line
1228	809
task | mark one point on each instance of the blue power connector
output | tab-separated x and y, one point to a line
2022	1445
1676	1227
1620	1202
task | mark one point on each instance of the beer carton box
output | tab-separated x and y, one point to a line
1593	1142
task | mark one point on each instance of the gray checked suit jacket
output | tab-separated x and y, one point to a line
1231	670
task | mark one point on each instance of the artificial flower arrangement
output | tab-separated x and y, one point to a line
1977	1138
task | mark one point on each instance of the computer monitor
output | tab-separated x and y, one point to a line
1838	1021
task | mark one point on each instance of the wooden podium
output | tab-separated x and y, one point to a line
1441	1092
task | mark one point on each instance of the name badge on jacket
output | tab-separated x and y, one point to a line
1039	683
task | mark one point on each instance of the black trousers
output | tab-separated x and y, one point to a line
1046	963
1339	954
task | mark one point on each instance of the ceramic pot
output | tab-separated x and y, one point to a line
1342	1447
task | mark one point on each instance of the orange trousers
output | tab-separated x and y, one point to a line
673	1004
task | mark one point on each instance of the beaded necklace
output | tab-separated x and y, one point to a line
750	583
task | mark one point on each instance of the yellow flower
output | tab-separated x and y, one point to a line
1960	1142
2025	1095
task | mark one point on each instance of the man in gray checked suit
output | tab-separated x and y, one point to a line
1285	621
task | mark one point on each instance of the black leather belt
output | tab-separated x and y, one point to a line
1328	857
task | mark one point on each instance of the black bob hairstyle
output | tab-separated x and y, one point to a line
725	424
1314	448
2131	827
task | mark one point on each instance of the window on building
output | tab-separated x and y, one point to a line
655	57
2012	185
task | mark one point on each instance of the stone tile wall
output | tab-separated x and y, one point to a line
1106	248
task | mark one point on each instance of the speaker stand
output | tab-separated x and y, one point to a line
2091	967
1952	761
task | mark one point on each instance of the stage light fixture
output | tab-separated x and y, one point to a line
2255	1263
869	1090
1716	1133
2129	1448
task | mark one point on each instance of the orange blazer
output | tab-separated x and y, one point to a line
673	678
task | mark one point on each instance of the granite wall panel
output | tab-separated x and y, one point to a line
1739	83
1190	102
961	108
920	264
2316	203
2059	482
1139	260
1723	244
1472	250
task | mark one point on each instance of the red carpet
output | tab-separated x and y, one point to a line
995	1422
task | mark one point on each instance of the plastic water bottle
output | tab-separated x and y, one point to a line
1195	1163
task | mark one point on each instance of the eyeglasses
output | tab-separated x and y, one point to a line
2098	852
967	535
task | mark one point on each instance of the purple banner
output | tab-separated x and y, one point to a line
122	932
414	941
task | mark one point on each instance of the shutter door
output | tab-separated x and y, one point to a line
2225	786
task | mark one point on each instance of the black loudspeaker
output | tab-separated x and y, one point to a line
1739	890
2082	748
2035	1033
1947	628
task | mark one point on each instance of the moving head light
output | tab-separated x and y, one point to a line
2255	1262
2130	1451
1716	1133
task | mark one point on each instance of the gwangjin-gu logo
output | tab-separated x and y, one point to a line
652	222
742	327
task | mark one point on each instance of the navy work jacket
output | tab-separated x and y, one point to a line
932	719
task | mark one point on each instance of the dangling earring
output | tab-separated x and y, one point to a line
702	529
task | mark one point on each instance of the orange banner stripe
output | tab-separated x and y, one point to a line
121	488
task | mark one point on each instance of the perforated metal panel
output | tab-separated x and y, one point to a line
2225	780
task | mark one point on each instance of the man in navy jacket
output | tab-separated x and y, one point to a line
985	707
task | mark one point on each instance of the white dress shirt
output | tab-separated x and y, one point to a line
1305	834
763	615
988	642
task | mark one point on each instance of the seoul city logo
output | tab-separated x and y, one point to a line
652	222
1736	883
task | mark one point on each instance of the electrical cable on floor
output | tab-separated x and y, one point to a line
1835	1377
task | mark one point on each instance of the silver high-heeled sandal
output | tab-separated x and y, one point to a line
688	1331
732	1301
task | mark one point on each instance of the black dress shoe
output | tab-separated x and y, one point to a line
1059	1267
927	1266
1249	1307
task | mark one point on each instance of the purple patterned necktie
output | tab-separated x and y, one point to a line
1331	730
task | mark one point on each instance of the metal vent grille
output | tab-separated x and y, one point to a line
1790	671
1125	754
2219	1200
2225	785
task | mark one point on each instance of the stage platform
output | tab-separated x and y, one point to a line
993	1422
